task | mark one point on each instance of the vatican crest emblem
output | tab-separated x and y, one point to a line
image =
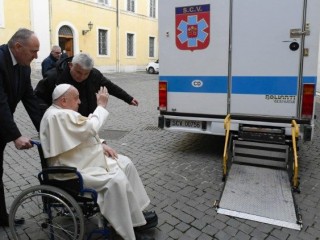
193	27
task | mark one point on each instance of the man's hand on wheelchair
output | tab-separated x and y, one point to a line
109	152
23	143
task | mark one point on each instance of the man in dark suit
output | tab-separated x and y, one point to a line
15	86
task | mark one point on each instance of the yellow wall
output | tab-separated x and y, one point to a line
105	17
77	14
142	30
16	15
82	13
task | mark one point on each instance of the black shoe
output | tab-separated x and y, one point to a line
150	215
17	222
152	221
141	236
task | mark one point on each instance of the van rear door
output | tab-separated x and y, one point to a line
266	58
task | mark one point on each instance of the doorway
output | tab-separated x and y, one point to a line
66	40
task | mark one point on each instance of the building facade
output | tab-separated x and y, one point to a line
120	35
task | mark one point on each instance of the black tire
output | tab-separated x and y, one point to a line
151	70
49	213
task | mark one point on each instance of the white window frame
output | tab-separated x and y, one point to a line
128	6
108	42
154	46
155	9
104	2
1	14
133	45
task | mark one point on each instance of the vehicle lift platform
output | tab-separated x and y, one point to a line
257	178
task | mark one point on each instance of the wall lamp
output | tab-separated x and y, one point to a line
90	25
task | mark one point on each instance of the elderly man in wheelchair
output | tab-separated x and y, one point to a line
71	140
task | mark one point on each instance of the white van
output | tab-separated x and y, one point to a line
254	60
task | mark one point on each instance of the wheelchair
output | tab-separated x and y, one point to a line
57	209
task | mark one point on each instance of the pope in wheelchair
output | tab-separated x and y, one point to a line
70	139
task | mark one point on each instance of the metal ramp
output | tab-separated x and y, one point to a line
258	186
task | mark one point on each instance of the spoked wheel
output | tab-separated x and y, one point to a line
49	213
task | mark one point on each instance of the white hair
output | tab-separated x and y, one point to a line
83	60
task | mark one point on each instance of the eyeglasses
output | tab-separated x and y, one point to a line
57	53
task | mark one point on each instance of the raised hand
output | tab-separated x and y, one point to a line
102	97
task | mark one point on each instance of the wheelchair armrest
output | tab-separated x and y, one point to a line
43	175
59	169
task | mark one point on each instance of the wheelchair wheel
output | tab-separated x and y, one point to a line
49	213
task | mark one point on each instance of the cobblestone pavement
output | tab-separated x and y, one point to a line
181	171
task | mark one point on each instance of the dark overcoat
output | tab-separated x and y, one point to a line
9	98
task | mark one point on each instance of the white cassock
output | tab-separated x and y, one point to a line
70	139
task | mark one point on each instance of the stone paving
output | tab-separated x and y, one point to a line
181	171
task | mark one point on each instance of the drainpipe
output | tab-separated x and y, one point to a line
118	40
50	21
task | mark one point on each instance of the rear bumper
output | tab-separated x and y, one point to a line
215	125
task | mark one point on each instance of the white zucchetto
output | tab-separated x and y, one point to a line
60	90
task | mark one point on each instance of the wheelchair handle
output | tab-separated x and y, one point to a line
34	142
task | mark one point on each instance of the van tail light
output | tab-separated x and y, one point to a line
307	101
163	96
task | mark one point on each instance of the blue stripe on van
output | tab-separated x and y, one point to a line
310	80
199	84
267	85
264	85
258	85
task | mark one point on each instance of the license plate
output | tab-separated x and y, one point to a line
185	123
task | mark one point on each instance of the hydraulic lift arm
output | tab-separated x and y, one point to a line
295	134
227	121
